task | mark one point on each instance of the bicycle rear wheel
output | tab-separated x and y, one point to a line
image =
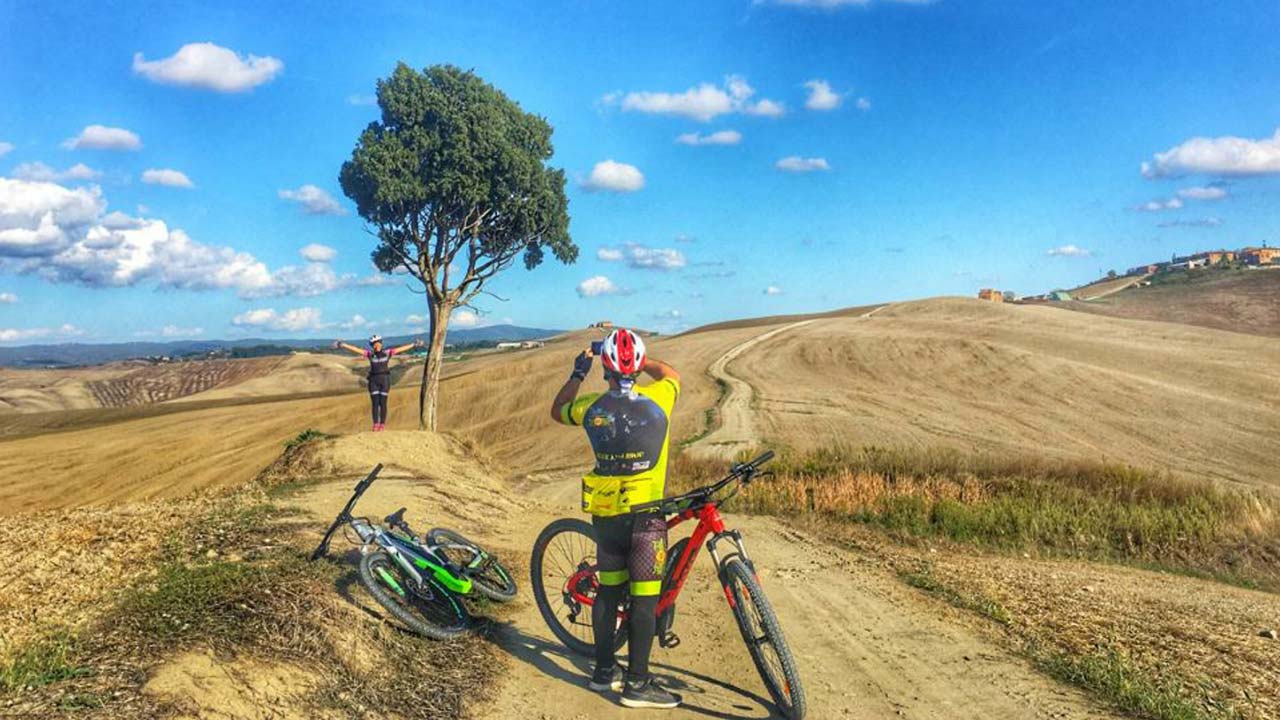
763	636
567	548
428	609
493	581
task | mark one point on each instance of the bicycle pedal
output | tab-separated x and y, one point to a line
669	640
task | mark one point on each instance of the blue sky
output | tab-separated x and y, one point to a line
163	167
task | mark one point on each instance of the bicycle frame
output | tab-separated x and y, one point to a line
413	557
710	530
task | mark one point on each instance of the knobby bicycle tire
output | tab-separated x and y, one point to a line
495	582
434	613
763	636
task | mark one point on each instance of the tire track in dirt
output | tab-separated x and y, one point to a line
735	428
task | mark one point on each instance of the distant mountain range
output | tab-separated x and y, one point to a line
94	354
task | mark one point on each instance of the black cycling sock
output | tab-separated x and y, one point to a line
604	619
644	622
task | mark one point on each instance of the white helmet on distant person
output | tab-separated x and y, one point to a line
623	353
375	339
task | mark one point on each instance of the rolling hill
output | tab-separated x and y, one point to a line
1243	301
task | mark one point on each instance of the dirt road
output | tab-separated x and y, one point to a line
736	428
867	646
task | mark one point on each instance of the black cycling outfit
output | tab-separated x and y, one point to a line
379	382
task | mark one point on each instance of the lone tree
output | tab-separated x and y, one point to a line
454	183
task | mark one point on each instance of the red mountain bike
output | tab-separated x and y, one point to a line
565	583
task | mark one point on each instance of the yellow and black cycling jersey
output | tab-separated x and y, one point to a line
629	433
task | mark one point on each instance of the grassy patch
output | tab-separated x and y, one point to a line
923	579
1114	676
1074	509
710	415
48	660
304	437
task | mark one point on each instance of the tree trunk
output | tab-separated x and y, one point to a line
429	392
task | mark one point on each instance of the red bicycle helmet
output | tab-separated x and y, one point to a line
623	353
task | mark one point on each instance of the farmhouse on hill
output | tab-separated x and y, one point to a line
1260	255
990	294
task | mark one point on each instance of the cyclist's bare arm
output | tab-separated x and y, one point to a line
403	348
659	370
350	348
568	393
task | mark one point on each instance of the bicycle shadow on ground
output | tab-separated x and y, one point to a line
702	695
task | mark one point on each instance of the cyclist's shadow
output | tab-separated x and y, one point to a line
551	659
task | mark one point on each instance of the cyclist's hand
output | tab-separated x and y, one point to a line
581	366
337	344
417	342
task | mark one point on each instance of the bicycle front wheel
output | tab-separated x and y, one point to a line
428	609
493	580
763	636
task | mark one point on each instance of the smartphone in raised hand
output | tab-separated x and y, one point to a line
596	347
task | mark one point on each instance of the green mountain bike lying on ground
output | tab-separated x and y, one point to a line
563	571
420	580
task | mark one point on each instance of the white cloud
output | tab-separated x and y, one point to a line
304	318
209	66
5	148
362	100
685	238
464	318
1069	251
308	280
167	177
863	104
643	257
773	290
378	279
821	96
1226	155
599	285
8	298
1207	192
1172	203
171	331
315	252
668	315
611	176
313	200
704	102
62	235
40	218
765	108
101	137
721	137
797	164
39	172
1209	222
10	335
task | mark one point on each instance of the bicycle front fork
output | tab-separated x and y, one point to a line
734	538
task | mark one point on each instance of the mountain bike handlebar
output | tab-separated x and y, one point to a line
743	472
323	547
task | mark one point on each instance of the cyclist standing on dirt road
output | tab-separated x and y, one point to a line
379	373
629	430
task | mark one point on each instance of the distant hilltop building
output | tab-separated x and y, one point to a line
601	324
991	295
1250	256
1260	255
522	345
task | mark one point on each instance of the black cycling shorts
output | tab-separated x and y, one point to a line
632	548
